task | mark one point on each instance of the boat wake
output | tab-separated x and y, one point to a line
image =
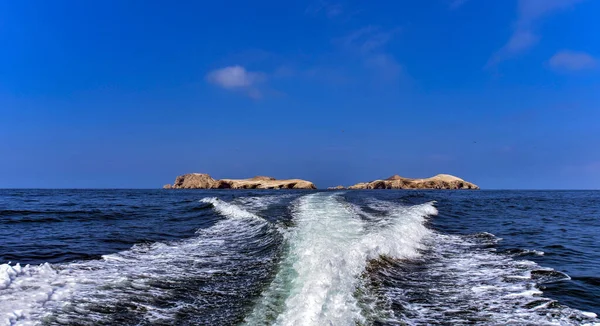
345	265
190	281
327	252
460	280
331	262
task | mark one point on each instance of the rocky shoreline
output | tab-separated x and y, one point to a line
440	181
205	181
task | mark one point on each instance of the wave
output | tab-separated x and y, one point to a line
334	263
229	210
460	280
327	252
591	280
256	204
49	216
344	265
518	252
149	282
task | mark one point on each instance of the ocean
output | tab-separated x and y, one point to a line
372	257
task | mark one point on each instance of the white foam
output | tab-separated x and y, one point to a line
328	251
527	293
256	204
403	237
7	274
29	294
25	289
461	281
227	209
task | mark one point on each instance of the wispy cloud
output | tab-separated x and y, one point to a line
568	61
360	56
519	42
368	39
531	10
524	36
237	78
369	44
330	9
385	64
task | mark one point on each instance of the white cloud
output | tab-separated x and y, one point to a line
234	77
237	78
524	37
572	61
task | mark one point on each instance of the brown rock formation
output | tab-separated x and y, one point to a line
262	178
336	188
205	181
440	181
194	181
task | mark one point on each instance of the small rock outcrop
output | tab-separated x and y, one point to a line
194	181
440	181
336	188
205	181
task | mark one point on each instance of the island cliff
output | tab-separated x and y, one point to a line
205	181
440	181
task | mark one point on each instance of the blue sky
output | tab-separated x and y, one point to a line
505	94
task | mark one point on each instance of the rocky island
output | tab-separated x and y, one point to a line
440	181
205	181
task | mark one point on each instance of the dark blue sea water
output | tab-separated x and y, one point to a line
374	257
